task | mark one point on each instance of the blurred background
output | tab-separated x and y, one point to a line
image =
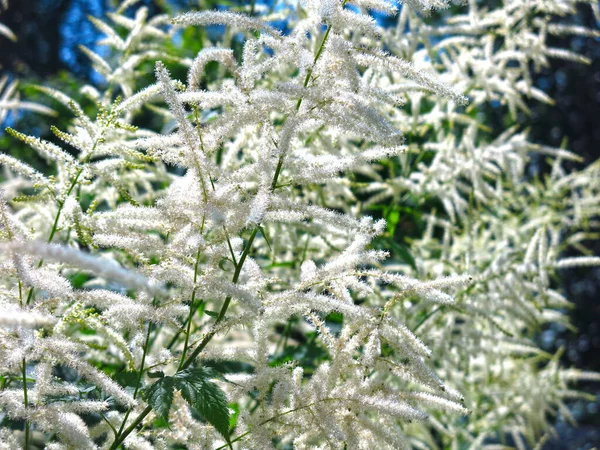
46	52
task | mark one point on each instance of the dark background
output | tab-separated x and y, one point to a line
576	117
49	32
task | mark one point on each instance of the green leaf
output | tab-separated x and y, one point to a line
234	416
160	396
79	279
392	220
156	374
127	378
205	397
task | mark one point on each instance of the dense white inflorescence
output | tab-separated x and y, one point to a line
230	236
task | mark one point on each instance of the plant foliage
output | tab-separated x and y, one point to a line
322	212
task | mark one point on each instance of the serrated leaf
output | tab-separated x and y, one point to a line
160	396
205	397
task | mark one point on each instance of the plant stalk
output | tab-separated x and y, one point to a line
238	268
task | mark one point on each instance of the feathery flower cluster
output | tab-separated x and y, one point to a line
212	282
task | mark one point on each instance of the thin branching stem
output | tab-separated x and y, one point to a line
238	269
139	379
193	308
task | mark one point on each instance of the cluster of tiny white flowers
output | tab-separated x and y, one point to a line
197	243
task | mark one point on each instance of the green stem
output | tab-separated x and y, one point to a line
114	430
238	268
427	317
236	275
231	252
277	172
191	315
139	380
55	224
188	330
130	428
62	203
310	70
239	265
